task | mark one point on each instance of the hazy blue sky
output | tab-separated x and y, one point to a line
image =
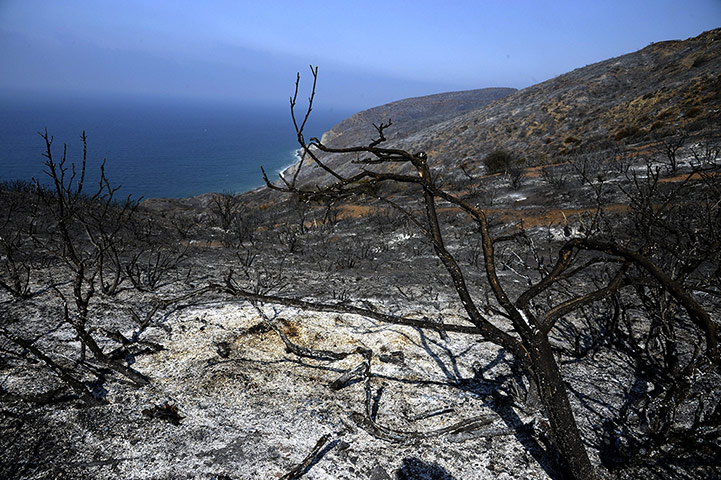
369	52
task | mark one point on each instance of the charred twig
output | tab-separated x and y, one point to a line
76	385
367	421
432	413
303	467
463	426
344	379
299	350
147	320
233	289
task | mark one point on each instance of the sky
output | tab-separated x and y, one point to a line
368	52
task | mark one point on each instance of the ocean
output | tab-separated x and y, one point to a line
155	148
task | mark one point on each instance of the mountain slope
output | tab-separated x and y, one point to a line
412	114
633	98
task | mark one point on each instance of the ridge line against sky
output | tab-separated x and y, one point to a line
369	52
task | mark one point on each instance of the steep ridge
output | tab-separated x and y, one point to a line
638	97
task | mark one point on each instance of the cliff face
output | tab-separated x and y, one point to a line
633	98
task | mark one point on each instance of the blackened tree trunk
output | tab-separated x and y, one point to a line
554	397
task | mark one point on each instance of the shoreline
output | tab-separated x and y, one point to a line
283	171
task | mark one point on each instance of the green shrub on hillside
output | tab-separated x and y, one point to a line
499	161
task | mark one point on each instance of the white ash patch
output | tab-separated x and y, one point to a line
258	412
399	238
512	197
567	232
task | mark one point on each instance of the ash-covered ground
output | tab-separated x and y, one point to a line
227	397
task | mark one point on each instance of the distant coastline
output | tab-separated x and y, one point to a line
156	150
288	169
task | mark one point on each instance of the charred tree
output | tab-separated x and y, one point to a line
531	315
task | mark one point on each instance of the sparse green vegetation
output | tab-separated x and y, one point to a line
626	132
499	161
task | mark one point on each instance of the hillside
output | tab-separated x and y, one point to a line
634	98
412	114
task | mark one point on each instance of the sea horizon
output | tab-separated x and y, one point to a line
156	147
